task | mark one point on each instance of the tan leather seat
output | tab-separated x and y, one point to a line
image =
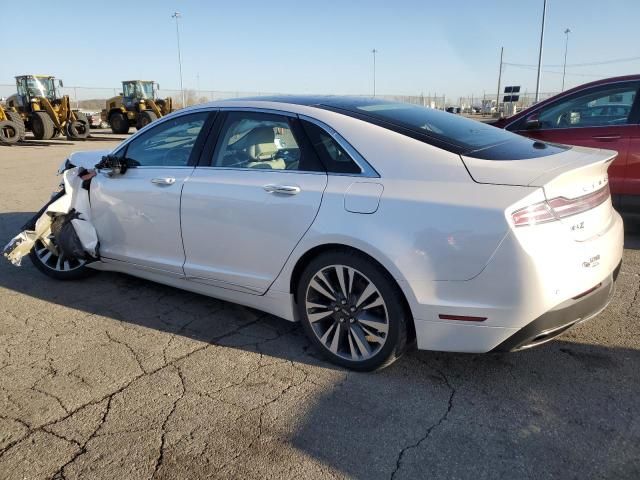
261	149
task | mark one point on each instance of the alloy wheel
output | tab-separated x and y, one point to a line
54	261
347	312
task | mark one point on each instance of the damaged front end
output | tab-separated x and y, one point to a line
63	226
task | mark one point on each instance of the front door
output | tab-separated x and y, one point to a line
137	214
244	212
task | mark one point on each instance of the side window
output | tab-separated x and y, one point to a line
168	144
607	106
332	155
266	141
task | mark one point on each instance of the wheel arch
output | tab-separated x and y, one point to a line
305	258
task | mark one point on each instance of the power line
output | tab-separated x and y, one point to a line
533	67
588	64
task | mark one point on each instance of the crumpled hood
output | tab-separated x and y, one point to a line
87	159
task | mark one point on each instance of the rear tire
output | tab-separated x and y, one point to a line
42	126
119	123
9	133
369	321
16	118
145	118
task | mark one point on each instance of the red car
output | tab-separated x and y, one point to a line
601	114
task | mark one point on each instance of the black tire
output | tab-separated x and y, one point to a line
119	123
49	267
145	118
366	270
16	118
77	130
9	133
42	126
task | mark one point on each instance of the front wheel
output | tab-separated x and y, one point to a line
145	118
119	123
57	266
351	310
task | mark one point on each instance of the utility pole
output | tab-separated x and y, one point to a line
544	14
177	16
374	51
499	80
566	47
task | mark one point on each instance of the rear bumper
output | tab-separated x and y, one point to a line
553	323
528	293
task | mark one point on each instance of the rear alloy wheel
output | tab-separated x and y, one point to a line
119	123
9	133
42	126
351	311
57	266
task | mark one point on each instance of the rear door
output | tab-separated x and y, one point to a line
599	117
245	209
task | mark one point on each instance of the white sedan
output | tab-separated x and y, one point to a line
375	224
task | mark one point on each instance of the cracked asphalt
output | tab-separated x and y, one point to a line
116	377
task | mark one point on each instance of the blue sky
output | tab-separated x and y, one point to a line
287	46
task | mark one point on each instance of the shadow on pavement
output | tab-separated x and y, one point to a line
562	410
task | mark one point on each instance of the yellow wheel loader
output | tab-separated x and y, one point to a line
11	127
136	106
44	110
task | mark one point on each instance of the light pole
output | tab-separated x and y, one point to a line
566	46
499	80
374	51
544	14
177	16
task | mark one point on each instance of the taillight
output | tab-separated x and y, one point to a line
559	207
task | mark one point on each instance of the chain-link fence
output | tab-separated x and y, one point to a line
486	102
94	98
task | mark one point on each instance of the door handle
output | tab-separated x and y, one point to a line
282	189
163	181
607	138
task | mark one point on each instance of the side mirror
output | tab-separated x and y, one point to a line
532	123
60	84
111	165
157	86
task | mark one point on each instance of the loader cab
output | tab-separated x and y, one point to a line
134	91
32	87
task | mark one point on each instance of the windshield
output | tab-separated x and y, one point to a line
142	90
37	87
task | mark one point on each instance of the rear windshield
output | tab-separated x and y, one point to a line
446	130
468	134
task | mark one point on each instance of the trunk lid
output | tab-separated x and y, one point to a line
574	181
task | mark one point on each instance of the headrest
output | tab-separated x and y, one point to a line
260	135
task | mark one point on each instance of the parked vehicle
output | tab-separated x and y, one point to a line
44	111
601	114
95	119
374	223
136	106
